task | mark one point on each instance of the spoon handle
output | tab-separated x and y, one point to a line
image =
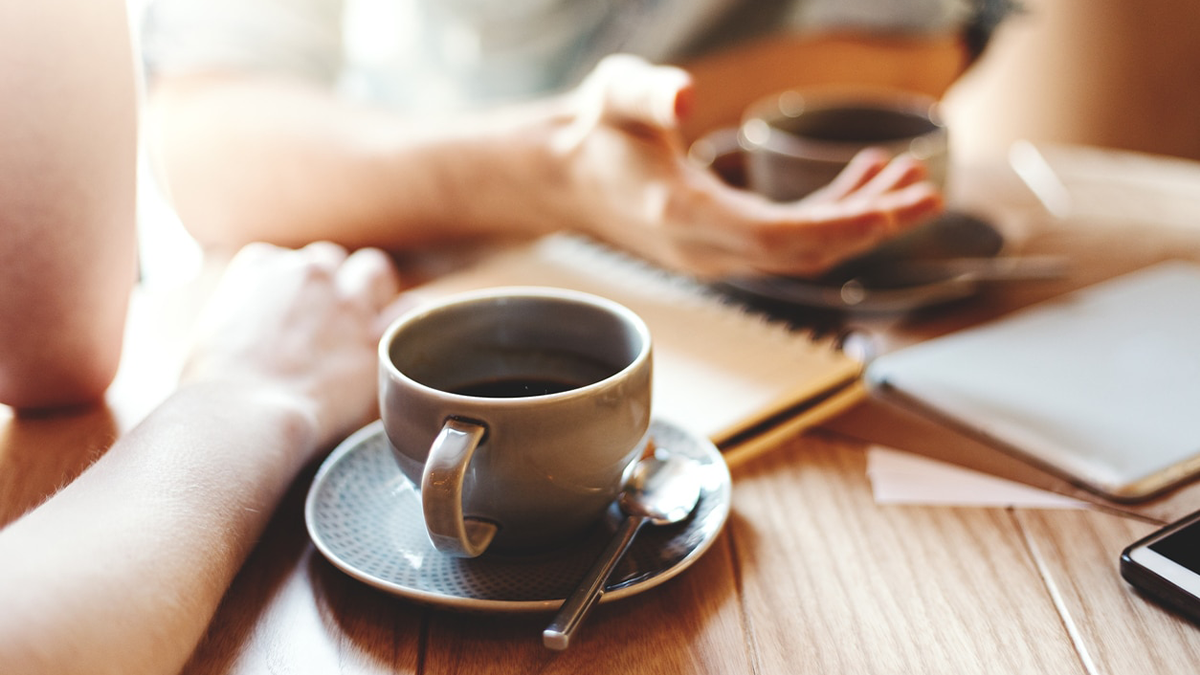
581	601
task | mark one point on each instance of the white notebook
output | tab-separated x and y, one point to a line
1101	386
743	380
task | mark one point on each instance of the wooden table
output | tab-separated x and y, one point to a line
810	575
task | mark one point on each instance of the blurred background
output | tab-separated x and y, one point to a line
1112	73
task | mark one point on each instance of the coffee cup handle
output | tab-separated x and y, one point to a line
442	492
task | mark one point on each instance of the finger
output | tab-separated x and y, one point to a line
632	89
252	253
912	205
324	254
864	167
821	235
368	273
860	223
901	172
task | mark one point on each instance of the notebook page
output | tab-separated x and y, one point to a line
718	369
1100	385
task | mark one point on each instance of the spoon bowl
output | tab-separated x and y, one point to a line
663	489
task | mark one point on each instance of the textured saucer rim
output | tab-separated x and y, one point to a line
718	488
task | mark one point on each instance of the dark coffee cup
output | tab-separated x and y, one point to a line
792	143
518	412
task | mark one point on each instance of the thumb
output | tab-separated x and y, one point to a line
633	90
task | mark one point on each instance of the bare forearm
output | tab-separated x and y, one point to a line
122	570
67	190
286	162
251	158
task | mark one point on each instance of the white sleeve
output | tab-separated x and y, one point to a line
298	37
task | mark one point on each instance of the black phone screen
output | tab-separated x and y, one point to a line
1166	565
1182	546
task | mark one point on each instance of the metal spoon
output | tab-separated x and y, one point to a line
664	489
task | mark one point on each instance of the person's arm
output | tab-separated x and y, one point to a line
260	157
256	157
68	143
122	570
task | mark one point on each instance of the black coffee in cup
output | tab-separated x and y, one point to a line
517	411
516	387
858	124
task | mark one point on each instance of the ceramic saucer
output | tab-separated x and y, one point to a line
364	516
898	276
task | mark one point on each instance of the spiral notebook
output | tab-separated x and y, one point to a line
745	381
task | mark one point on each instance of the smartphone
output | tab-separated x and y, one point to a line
1166	566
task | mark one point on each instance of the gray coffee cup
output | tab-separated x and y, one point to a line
518	411
793	143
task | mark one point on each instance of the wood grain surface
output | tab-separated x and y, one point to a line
810	574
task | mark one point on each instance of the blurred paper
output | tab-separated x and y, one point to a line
899	477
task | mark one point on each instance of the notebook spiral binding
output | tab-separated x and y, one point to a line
634	273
